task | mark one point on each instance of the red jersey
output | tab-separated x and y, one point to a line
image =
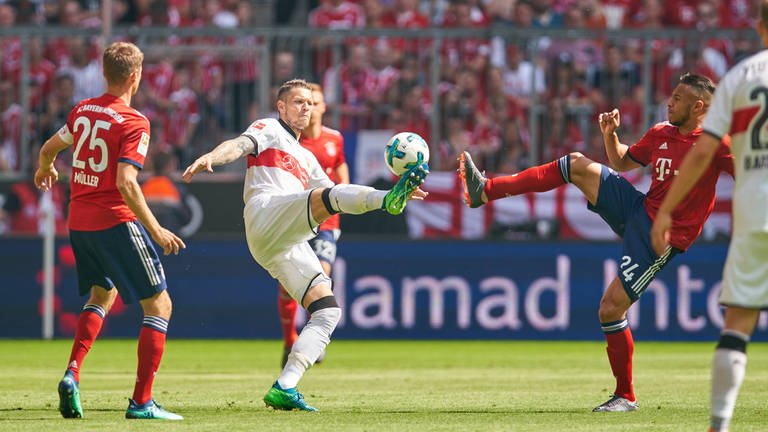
664	149
328	149
104	131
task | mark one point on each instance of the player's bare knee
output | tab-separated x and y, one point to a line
158	305
102	297
610	311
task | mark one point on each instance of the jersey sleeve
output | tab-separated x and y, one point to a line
640	151
724	157
262	134
135	142
65	132
717	122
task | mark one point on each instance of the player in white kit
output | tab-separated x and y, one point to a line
739	108
287	195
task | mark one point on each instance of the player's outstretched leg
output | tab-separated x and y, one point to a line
69	397
396	199
479	189
472	180
150	410
616	404
286	399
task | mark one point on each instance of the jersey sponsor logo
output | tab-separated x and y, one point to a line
143	144
663	146
276	158
258	125
664	168
330	148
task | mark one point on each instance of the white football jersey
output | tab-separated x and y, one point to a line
281	165
740	108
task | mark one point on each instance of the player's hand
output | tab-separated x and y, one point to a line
169	241
418	194
662	223
202	163
609	121
45	178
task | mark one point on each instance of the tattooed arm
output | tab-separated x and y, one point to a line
226	152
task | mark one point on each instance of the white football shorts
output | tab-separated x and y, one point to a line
277	229
745	277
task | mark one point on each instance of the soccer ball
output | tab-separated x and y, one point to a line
403	150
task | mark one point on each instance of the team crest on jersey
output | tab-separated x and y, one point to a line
330	148
143	144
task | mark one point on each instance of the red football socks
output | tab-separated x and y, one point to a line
620	349
535	179
88	327
286	307
151	346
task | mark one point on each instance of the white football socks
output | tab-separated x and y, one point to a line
728	368
356	199
311	343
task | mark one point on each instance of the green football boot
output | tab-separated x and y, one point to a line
149	410
396	199
286	399
69	397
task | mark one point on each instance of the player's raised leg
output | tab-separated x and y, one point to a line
357	199
572	168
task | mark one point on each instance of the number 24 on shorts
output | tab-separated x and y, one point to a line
628	268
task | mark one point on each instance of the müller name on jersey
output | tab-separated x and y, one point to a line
86	179
756	162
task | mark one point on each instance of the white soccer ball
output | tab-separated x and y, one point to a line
403	150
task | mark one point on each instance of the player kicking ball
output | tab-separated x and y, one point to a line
629	212
287	196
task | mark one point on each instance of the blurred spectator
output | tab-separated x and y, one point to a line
58	104
85	71
614	77
681	13
513	153
41	75
617	12
649	14
405	14
10	128
332	14
385	75
21	210
243	71
518	76
545	16
737	13
164	197
347	87
183	118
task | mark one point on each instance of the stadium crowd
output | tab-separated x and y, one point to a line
486	85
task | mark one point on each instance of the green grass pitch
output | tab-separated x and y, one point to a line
380	386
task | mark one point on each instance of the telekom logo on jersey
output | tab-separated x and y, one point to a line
663	168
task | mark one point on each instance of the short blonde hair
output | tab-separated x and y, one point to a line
290	85
120	60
